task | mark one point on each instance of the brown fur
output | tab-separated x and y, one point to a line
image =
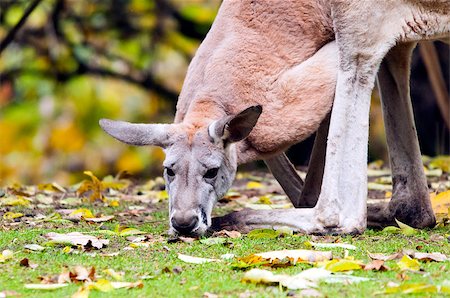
258	60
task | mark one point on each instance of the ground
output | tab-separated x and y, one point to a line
133	217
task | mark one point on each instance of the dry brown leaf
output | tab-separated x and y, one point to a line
229	234
377	265
435	256
83	274
25	262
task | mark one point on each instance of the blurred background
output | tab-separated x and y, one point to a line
73	62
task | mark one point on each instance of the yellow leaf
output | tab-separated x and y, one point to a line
405	229
406	263
343	265
388	194
254	185
440	202
162	195
130	231
82	212
412	288
102	285
51	187
95	186
15	201
265	200
12	215
113	203
441	162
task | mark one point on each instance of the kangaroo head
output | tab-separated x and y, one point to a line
200	162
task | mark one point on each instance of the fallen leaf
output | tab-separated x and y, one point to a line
82	212
405	229
285	231
392	230
435	256
76	238
440	202
128	285
125	231
297	255
11	215
441	162
195	260
343	265
181	239
213	241
51	187
377	265
99	219
411	288
15	201
304	280
254	185
265	200
45	286
6	255
80	273
101	285
94	186
230	234
330	245
406	263
227	256
262	233
25	262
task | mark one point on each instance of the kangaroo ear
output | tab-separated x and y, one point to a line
235	128
136	133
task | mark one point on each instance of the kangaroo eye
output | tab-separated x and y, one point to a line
170	172
211	173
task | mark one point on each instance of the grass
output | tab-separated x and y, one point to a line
171	277
160	259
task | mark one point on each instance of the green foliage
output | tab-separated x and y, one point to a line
75	62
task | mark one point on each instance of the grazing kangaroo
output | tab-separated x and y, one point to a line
264	79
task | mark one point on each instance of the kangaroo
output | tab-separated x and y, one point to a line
262	80
279	58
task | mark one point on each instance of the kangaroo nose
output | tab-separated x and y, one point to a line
184	223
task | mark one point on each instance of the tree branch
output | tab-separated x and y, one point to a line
10	36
